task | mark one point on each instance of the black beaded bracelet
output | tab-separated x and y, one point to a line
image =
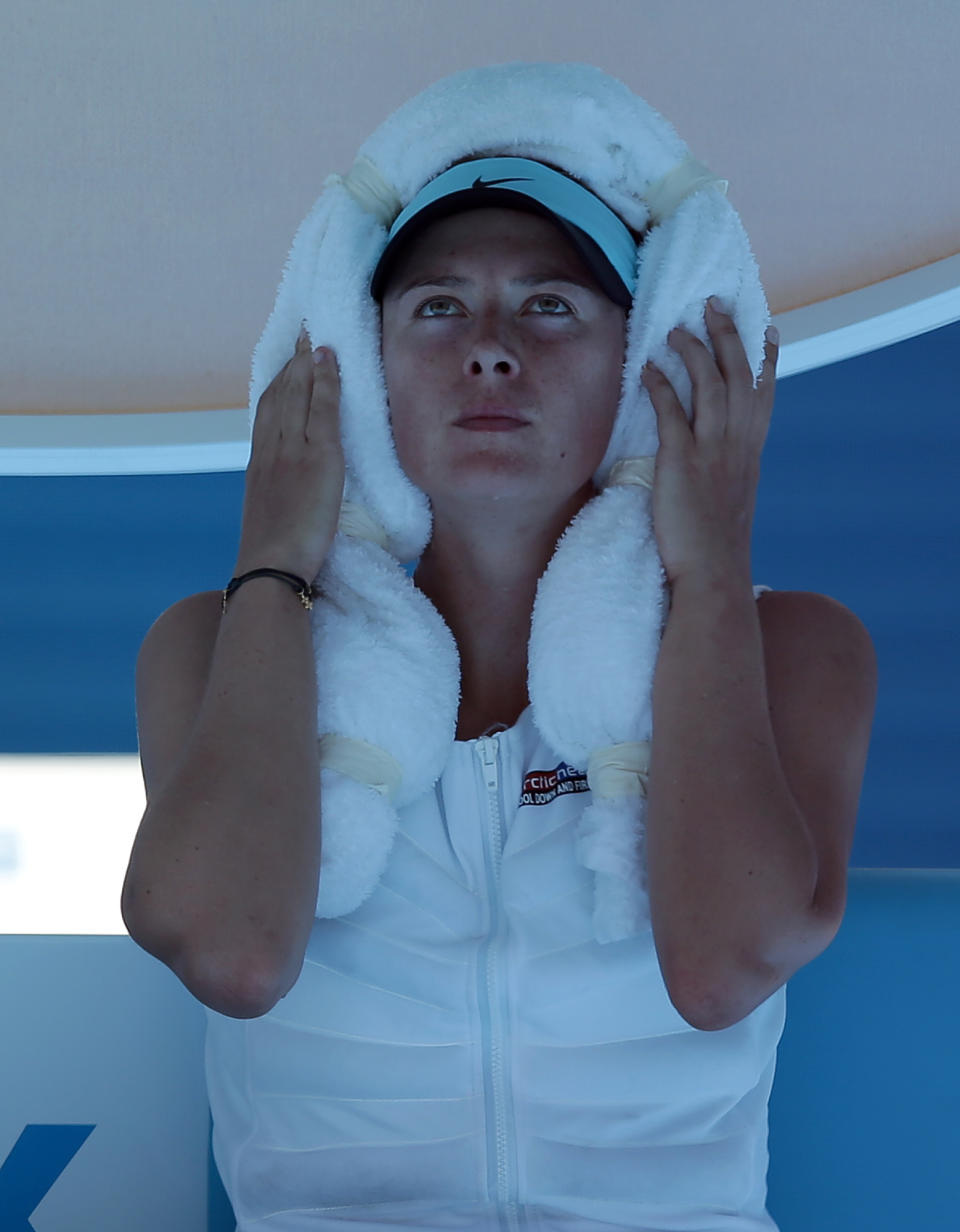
306	592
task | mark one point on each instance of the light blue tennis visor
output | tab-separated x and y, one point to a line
602	239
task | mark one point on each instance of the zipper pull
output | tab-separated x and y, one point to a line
487	749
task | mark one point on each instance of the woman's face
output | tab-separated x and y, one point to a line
550	349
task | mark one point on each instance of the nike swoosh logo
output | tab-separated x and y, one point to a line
481	183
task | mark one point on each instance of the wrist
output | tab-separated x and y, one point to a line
303	589
286	562
715	578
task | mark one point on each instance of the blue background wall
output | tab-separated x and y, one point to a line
856	500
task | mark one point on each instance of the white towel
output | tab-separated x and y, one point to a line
388	669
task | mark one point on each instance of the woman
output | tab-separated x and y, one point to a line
460	1045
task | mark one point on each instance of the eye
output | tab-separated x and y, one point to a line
539	299
556	300
427	303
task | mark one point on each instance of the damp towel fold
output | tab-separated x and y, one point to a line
388	668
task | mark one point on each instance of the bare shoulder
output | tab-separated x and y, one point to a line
803	624
188	626
821	675
171	676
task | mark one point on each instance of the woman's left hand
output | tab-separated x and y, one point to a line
707	470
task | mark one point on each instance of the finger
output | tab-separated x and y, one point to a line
731	358
771	354
766	387
323	418
672	426
762	392
709	389
296	393
267	422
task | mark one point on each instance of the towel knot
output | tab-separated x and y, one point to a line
357	521
362	762
619	770
637	471
378	197
370	190
664	195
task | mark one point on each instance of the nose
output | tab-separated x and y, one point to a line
491	349
491	352
488	357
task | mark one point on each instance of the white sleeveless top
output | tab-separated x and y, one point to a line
459	1052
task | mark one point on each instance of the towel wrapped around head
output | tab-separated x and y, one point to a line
388	667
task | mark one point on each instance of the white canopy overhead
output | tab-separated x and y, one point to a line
158	158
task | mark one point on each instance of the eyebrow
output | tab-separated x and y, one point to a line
528	280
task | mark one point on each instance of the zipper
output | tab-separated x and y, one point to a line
502	1170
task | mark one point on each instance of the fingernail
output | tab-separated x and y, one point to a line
320	355
772	334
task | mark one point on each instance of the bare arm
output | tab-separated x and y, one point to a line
761	716
223	874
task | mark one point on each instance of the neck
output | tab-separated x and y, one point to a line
483	582
489	616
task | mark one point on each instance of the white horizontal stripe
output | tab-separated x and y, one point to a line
201	441
66	833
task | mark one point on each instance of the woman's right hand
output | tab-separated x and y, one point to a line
295	476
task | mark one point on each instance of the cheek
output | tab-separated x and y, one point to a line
598	428
404	371
411	439
596	436
394	385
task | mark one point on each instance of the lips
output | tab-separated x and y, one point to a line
492	412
